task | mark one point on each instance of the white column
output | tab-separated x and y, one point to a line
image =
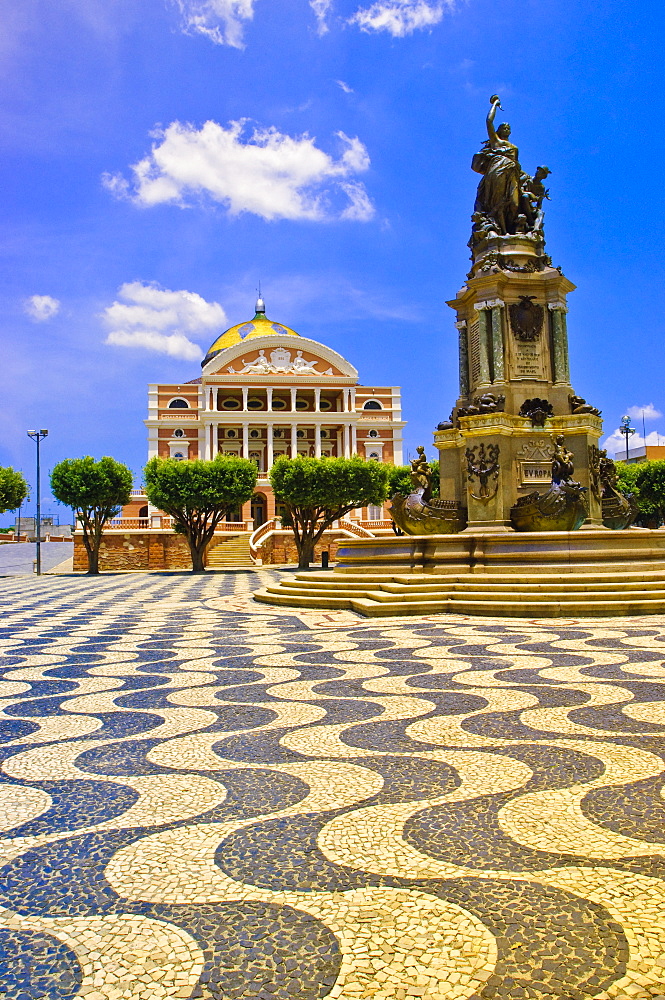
245	440
245	392
397	447
212	441
346	441
352	400
317	441
269	400
293	400
202	441
317	400
354	443
294	438
270	456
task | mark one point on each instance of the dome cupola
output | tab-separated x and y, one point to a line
259	326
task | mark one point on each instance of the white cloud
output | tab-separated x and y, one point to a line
157	319
360	208
272	175
321	10
400	17
345	87
649	412
41	308
221	21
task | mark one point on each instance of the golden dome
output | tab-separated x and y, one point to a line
260	326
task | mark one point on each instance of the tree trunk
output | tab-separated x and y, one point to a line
196	552
92	550
305	553
93	561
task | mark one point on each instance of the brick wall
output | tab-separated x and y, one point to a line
137	550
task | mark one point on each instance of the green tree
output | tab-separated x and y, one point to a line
647	481
198	495
318	491
13	489
96	491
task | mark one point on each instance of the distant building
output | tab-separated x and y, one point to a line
645	453
27	527
267	391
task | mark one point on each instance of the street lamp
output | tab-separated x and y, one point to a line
627	431
38	436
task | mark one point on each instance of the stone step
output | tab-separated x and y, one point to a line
519	607
230	552
408	596
475	585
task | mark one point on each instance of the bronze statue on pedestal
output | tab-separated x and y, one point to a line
509	201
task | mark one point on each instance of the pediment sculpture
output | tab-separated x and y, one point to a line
280	363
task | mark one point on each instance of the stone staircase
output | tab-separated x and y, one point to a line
586	591
230	552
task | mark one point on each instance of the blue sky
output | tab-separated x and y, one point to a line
157	159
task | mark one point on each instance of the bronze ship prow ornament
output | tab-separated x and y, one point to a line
421	514
563	508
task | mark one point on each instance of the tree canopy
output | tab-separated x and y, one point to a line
97	492
199	494
318	491
13	489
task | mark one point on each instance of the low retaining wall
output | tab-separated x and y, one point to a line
136	550
280	547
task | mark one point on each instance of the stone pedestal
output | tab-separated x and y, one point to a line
524	463
513	349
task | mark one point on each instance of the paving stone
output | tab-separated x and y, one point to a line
205	797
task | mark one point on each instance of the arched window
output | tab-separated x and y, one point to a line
374	457
143	511
373	434
255	434
178	433
178	404
179	456
372	404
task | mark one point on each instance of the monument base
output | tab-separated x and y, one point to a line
523	575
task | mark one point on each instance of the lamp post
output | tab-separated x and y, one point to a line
627	431
38	436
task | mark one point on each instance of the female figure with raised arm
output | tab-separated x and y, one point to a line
498	197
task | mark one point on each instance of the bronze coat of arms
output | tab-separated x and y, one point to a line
526	318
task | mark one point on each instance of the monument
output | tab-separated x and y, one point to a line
515	393
529	520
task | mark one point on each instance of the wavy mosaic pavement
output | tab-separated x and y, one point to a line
203	797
